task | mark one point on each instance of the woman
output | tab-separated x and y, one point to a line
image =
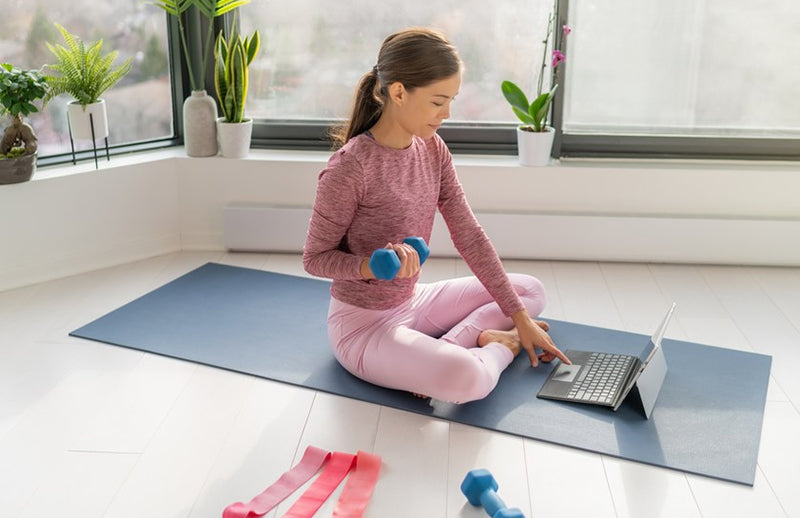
448	340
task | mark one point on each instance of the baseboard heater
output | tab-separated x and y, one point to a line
252	228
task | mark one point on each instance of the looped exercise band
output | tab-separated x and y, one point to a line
352	502
358	488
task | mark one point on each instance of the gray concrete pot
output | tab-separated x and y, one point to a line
17	170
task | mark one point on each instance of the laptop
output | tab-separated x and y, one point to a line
606	379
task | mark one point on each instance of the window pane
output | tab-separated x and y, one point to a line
684	67
139	106
315	52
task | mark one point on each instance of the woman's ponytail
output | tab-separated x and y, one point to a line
366	110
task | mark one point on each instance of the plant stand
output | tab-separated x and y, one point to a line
94	142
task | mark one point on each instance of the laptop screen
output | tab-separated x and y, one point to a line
655	340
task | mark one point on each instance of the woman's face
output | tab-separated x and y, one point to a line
422	110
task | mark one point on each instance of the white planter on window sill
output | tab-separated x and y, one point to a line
89	121
234	138
535	147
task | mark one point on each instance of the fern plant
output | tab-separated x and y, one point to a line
231	72
83	71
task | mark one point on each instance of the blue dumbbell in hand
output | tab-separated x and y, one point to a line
480	488
385	264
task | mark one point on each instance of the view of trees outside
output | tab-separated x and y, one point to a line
314	52
685	67
139	106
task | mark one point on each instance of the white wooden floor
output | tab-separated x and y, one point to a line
92	430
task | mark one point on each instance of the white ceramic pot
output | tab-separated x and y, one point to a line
535	147
83	119
234	137
199	128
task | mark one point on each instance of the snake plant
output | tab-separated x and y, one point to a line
83	71
231	72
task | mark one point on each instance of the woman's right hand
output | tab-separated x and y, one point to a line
409	261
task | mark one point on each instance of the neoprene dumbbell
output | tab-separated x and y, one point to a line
385	264
480	488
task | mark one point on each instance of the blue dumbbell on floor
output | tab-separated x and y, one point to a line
480	488
385	264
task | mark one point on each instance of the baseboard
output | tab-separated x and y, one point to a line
87	260
559	237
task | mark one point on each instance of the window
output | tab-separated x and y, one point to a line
643	77
682	78
139	106
709	68
314	54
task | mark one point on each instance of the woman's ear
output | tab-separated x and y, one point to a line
397	93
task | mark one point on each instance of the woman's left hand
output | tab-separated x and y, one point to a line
533	335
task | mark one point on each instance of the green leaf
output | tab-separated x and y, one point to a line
537	104
252	45
213	8
173	7
514	96
540	107
523	116
238	81
220	83
224	6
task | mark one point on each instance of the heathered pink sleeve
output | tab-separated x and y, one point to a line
338	191
471	241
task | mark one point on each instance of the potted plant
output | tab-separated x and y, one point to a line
534	135
199	109
19	90
85	74
230	81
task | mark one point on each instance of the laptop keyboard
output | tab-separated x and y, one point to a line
601	377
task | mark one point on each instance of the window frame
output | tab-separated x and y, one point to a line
494	138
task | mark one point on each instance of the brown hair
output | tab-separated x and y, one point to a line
415	57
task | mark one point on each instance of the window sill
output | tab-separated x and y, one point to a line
460	160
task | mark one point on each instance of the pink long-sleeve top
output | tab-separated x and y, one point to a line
370	195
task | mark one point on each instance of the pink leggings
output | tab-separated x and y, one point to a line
428	345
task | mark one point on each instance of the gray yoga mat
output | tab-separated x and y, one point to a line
707	419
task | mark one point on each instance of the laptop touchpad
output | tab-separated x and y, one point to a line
566	372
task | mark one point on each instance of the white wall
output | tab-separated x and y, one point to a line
73	219
58	225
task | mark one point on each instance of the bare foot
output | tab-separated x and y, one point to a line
508	338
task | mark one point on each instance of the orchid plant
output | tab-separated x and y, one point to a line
534	114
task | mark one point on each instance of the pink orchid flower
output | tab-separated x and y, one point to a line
566	29
558	57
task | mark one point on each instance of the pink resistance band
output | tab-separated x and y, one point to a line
358	488
352	502
288	483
